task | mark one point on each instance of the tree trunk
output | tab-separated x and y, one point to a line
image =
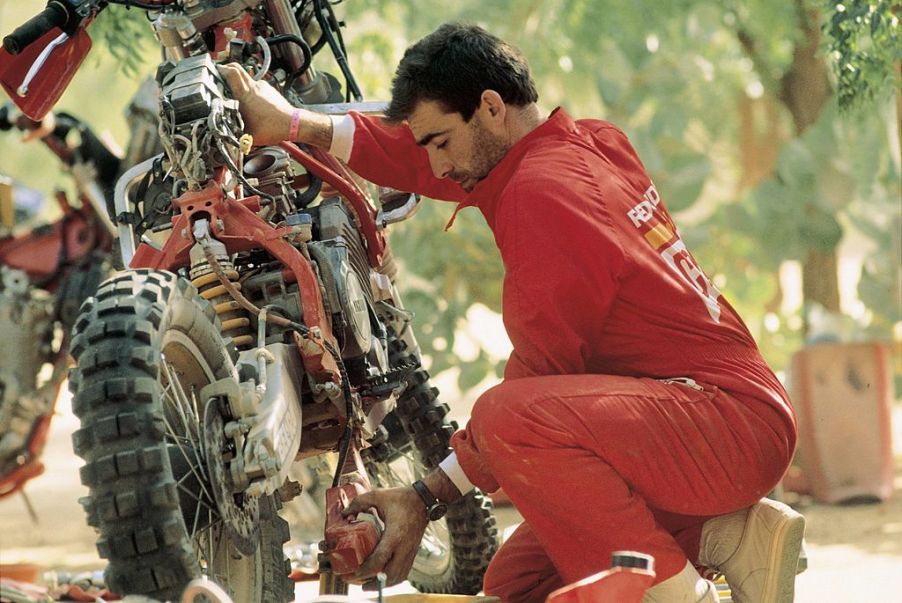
820	284
805	90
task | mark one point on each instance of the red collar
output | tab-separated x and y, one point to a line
558	125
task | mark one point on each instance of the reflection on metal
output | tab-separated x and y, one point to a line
367	107
206	588
120	201
22	90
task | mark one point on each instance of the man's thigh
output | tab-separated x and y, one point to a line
685	449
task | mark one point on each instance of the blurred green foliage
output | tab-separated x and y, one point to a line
865	47
697	86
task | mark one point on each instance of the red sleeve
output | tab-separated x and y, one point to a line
388	155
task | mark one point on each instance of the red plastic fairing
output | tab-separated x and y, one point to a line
53	78
40	251
242	27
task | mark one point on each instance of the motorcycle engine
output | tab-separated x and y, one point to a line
199	126
345	273
26	321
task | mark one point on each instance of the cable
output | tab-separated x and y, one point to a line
305	48
240	176
145	4
267	58
337	46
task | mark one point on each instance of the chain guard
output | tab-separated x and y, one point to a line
240	512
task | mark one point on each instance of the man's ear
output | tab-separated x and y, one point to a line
492	107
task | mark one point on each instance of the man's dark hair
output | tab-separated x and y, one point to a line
454	65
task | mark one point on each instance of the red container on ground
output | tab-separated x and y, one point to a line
842	395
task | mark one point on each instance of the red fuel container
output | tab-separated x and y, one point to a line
626	581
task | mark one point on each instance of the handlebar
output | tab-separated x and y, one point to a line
55	14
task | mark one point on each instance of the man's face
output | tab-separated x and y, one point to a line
464	151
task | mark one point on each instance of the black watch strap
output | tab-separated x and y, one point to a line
435	509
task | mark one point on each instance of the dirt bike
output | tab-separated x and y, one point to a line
46	272
258	323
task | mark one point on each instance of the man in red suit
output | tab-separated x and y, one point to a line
636	412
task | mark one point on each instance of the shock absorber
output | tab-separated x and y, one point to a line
235	320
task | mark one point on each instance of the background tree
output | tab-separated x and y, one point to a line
732	108
731	104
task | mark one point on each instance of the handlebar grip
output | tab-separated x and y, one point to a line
54	15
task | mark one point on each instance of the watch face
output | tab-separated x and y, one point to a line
437	511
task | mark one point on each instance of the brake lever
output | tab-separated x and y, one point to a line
22	90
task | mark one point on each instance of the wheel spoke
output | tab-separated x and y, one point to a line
177	397
201	480
195	497
182	404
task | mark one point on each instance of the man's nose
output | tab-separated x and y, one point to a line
441	167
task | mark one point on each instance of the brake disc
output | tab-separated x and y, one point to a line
240	512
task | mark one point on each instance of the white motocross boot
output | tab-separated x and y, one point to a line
757	551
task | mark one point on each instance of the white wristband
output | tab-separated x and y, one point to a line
456	473
343	128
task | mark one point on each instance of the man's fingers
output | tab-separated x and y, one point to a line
398	567
237	78
375	563
362	503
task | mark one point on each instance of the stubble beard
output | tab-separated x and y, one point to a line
488	150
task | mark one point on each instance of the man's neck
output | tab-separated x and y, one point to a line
523	120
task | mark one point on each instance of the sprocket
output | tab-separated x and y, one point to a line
388	382
240	512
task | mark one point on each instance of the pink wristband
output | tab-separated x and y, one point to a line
295	126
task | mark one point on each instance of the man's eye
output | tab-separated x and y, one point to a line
442	144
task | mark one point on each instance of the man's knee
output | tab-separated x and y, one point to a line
499	415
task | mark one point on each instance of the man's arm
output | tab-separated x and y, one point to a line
267	115
385	155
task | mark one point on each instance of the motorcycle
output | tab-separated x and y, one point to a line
258	323
46	272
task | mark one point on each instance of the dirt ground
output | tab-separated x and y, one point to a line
855	552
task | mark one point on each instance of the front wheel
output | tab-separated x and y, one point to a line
145	346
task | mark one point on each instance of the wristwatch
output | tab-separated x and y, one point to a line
435	509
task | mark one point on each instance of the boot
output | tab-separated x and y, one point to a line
685	587
757	551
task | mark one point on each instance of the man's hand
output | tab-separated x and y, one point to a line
404	515
266	113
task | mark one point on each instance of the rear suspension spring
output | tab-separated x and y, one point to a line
235	320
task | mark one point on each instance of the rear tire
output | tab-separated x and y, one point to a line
140	438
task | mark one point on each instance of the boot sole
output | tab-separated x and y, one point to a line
784	555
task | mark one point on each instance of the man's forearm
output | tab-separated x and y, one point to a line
314	128
441	486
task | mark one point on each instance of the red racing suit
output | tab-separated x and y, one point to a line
597	279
